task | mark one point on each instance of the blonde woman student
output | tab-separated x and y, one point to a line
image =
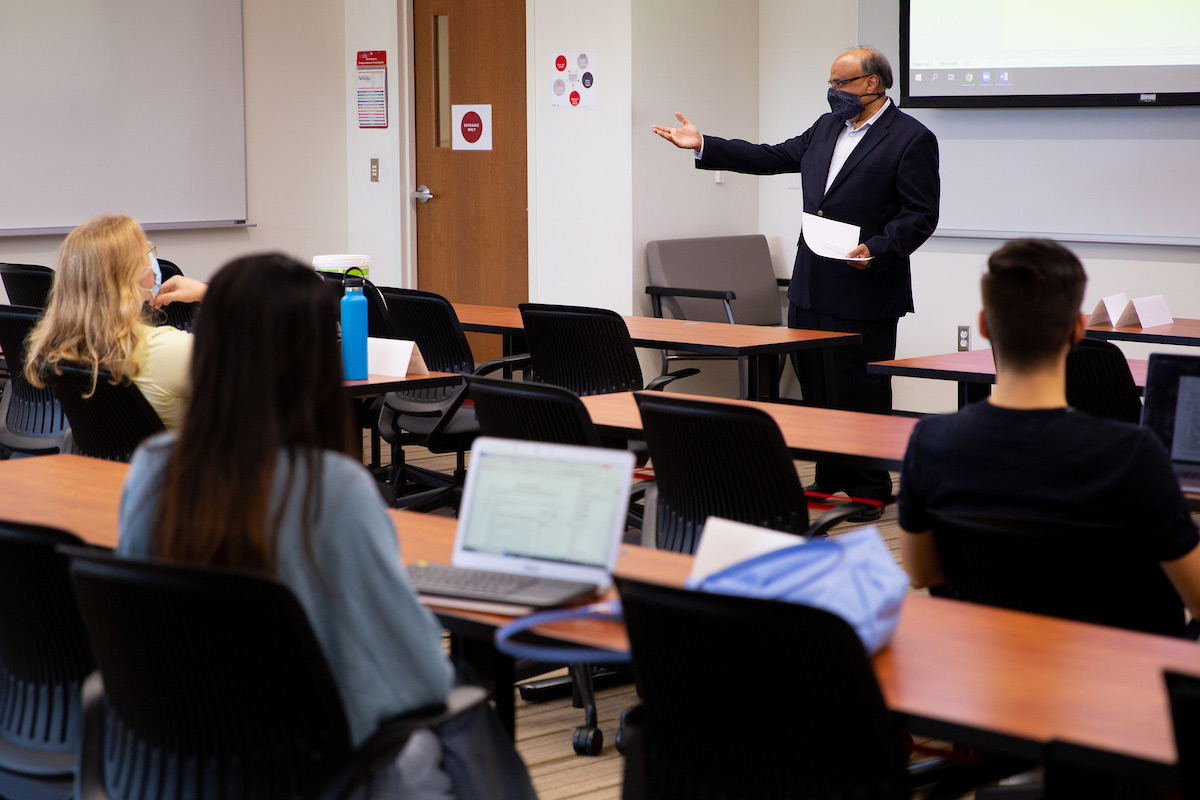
97	314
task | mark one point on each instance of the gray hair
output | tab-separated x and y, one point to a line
874	63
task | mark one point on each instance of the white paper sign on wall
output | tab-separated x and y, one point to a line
472	127
573	79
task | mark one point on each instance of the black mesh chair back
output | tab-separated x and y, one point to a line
1077	570
44	655
1099	382
27	284
531	411
585	350
718	459
214	684
1184	692
379	323
429	320
109	422
797	712
31	419
178	315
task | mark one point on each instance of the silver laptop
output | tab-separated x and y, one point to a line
540	525
1172	411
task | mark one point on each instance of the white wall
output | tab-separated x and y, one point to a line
378	221
295	52
581	160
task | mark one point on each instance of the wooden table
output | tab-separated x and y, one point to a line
1002	680
376	385
975	371
853	438
1181	331
762	345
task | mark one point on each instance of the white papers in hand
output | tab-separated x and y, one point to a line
829	238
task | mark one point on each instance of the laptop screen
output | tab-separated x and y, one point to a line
1172	407
547	504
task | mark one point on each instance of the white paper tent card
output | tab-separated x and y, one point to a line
1109	309
1145	312
394	357
724	543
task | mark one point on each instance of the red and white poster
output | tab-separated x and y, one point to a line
472	127
573	79
372	88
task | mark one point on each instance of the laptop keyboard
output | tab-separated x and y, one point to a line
479	584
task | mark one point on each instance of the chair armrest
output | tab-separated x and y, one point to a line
820	528
658	383
674	291
89	779
487	367
392	734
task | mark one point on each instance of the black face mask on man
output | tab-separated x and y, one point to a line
845	106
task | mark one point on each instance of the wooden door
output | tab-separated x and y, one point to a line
472	236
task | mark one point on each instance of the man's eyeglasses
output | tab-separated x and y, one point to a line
837	84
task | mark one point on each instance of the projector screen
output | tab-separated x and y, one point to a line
1023	53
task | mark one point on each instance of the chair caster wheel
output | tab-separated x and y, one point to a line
588	741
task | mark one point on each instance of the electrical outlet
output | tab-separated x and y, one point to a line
964	338
374	170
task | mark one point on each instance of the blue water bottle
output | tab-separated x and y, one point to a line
354	329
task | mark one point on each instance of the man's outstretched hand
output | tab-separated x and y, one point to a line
685	137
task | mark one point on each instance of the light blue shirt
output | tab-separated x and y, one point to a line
383	647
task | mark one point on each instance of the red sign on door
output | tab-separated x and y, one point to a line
472	127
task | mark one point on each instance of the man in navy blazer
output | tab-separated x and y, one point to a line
868	164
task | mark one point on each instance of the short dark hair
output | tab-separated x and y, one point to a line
1032	292
874	63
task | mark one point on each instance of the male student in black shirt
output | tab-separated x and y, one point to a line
1024	450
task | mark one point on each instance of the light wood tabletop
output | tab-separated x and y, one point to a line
760	343
1181	331
376	385
997	679
968	366
853	438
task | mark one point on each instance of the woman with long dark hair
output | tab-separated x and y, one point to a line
258	477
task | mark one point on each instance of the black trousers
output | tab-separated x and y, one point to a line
836	377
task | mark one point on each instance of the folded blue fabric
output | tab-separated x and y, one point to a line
852	575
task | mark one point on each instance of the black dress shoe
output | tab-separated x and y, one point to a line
869	514
815	488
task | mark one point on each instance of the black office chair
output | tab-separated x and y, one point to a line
107	420
379	321
544	413
586	350
1099	382
212	684
437	419
723	460
177	315
821	731
31	419
1184	692
27	284
44	659
1077	570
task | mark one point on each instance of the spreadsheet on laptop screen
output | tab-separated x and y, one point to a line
544	508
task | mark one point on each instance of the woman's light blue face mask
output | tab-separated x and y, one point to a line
157	270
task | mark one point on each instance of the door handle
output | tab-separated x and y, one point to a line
422	194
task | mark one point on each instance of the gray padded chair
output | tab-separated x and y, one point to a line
714	279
